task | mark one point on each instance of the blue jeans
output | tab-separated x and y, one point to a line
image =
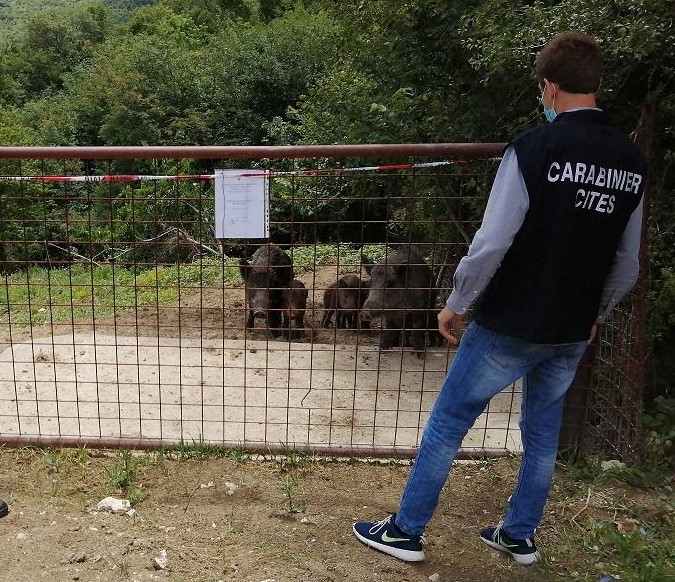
486	362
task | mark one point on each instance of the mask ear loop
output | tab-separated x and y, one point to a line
547	82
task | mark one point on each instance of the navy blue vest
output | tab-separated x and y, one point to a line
584	179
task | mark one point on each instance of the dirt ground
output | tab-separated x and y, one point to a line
257	520
251	521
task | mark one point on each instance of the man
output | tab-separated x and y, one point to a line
557	249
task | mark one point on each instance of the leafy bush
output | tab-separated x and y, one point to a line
660	424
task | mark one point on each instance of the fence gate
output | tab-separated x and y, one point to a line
141	305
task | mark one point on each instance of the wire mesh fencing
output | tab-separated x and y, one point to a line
129	317
613	420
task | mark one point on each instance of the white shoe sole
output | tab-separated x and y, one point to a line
522	559
405	555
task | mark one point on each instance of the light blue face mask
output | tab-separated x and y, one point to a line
550	114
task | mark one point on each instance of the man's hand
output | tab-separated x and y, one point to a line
449	324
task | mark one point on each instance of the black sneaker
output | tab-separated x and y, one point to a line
522	551
386	537
4	508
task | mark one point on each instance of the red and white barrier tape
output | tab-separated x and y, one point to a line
106	178
253	173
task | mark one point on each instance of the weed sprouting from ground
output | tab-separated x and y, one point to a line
292	465
289	487
122	474
237	454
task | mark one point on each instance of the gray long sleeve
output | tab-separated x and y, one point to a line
504	215
626	267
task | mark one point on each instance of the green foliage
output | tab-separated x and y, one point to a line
145	89
640	554
661	295
64	460
653	468
267	69
338	110
660	425
636	39
167	77
50	43
13	12
210	14
656	463
348	256
123	472
24	209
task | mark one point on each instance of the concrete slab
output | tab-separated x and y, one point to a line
242	391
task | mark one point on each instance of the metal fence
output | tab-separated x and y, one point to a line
124	318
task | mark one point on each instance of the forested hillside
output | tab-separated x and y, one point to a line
238	72
13	12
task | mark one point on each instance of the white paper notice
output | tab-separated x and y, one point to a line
242	204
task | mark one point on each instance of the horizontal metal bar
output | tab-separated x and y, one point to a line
469	150
146	444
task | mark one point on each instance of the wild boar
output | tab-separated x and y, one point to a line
342	299
402	292
268	273
294	304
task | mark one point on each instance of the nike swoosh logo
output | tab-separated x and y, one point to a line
504	545
386	538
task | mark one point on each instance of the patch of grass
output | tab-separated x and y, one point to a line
489	468
81	292
643	553
123	475
293	461
123	472
621	519
195	450
53	460
38	295
585	469
348	257
58	460
237	454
